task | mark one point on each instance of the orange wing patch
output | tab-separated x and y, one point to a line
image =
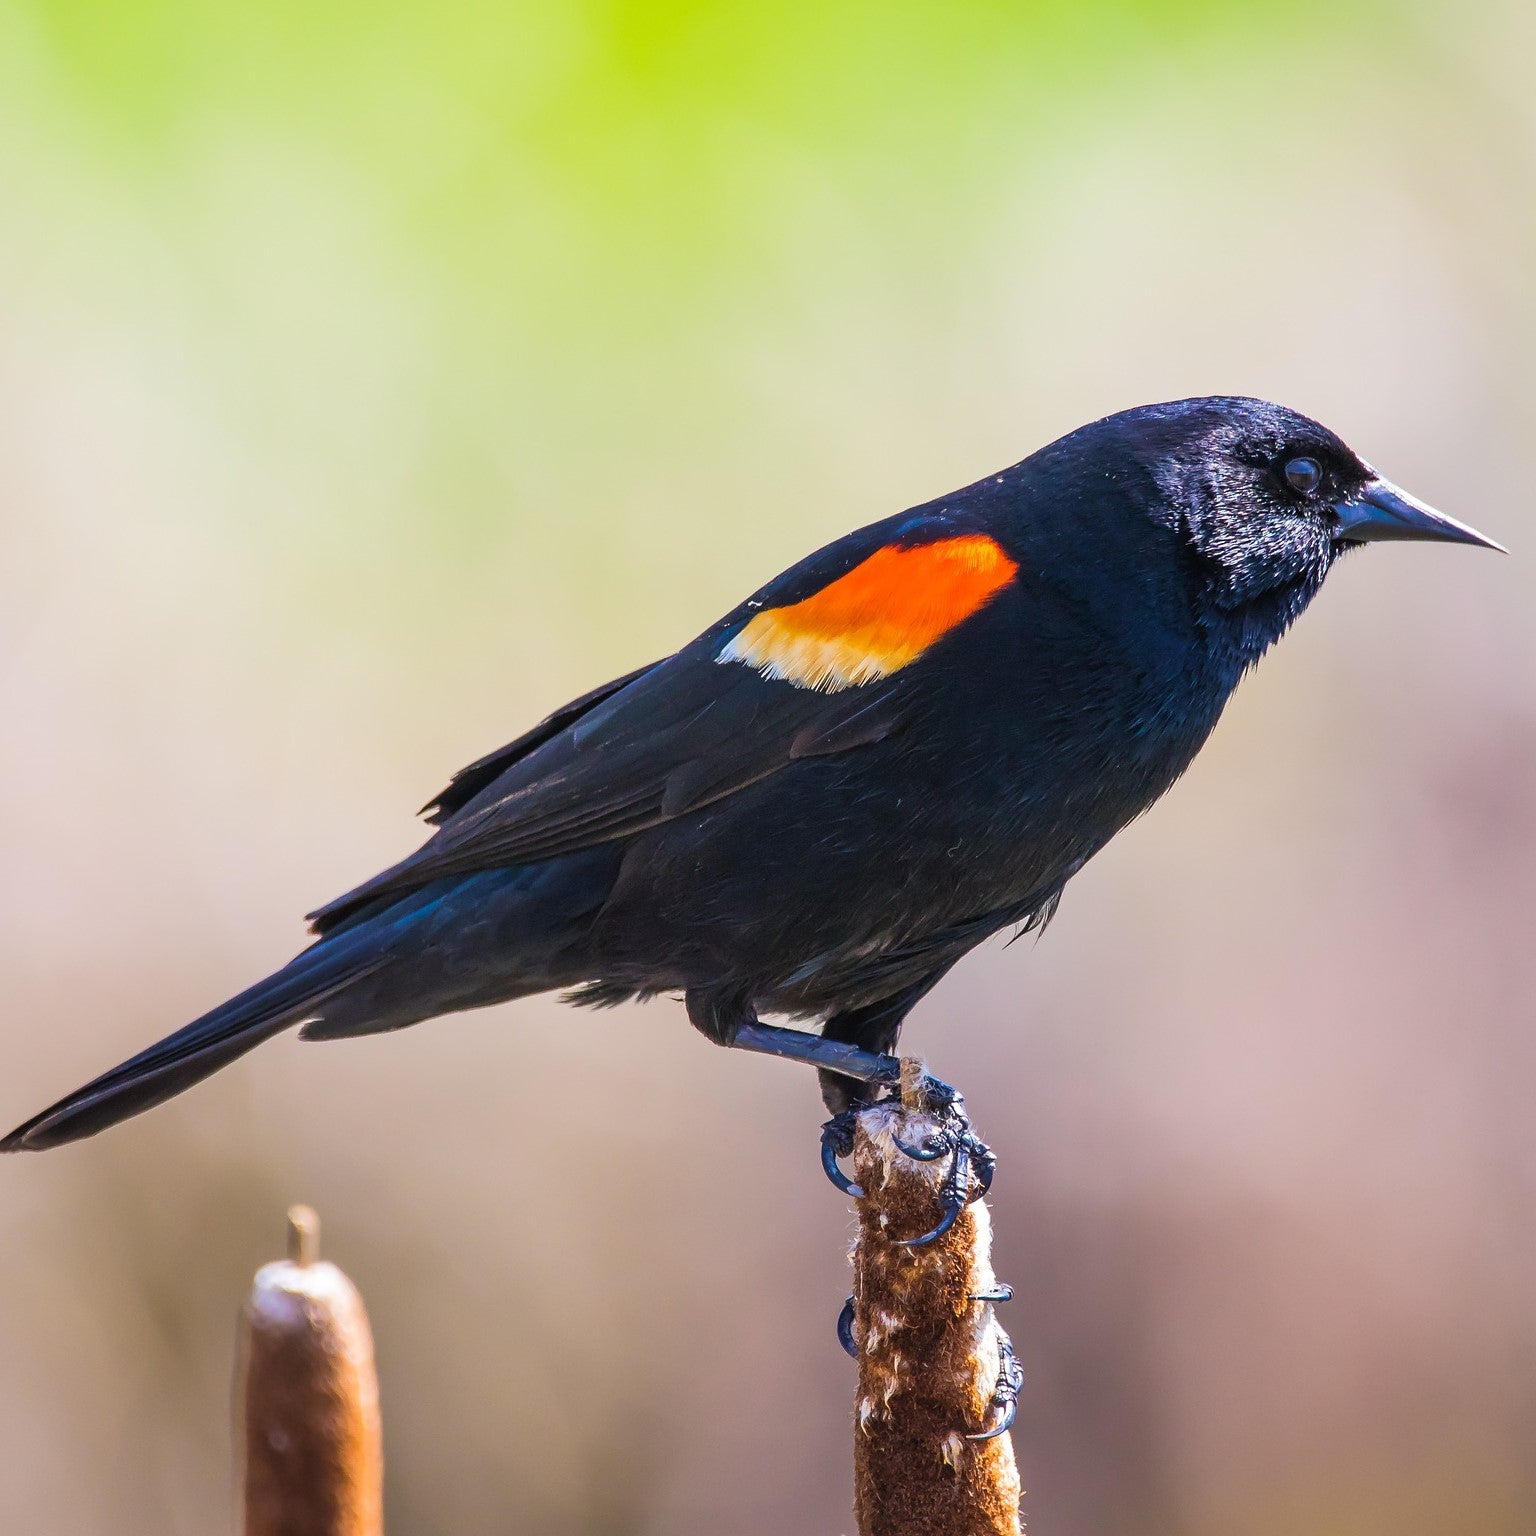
872	621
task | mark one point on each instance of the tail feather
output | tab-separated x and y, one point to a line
457	943
200	1048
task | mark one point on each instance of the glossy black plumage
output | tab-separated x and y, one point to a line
765	846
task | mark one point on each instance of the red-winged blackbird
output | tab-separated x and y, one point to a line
910	740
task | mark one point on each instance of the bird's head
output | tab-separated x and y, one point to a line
1267	500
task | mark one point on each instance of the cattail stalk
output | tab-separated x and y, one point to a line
309	1399
930	1356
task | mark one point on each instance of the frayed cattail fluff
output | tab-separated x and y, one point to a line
930	1355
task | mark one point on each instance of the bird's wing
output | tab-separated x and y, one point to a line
812	665
467	783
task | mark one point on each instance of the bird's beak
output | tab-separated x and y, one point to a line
1382	511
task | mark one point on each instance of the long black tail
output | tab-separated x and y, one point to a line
285	998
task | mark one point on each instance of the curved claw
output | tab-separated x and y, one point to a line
953	1197
951	1215
986	1169
1003	1425
829	1156
845	1329
930	1151
1005	1395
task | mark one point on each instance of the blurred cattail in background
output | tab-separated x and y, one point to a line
309	1399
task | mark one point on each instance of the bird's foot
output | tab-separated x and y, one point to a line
837	1143
1002	1291
845	1319
972	1164
845	1329
837	1135
1005	1395
971	1161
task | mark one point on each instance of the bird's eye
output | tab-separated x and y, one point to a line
1303	475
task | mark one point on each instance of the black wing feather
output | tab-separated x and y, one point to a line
484	771
660	743
689	732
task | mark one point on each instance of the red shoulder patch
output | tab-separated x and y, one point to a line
876	618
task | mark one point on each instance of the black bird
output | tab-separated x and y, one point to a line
905	743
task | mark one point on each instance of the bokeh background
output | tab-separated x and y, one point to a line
375	376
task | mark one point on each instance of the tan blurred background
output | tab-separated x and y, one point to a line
373	378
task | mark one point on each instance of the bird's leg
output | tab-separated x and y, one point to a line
869	1068
729	1019
972	1164
875	1027
830	1055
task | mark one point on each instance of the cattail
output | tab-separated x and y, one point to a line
935	1370
313	1465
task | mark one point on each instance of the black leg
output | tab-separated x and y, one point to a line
876	1027
728	1019
848	1061
718	1015
830	1055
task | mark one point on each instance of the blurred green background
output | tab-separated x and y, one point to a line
375	377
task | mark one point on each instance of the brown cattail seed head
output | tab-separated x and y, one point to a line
930	1355
313	1463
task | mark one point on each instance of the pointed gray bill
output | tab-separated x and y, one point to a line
1383	511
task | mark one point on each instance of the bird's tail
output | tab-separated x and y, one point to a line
285	998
